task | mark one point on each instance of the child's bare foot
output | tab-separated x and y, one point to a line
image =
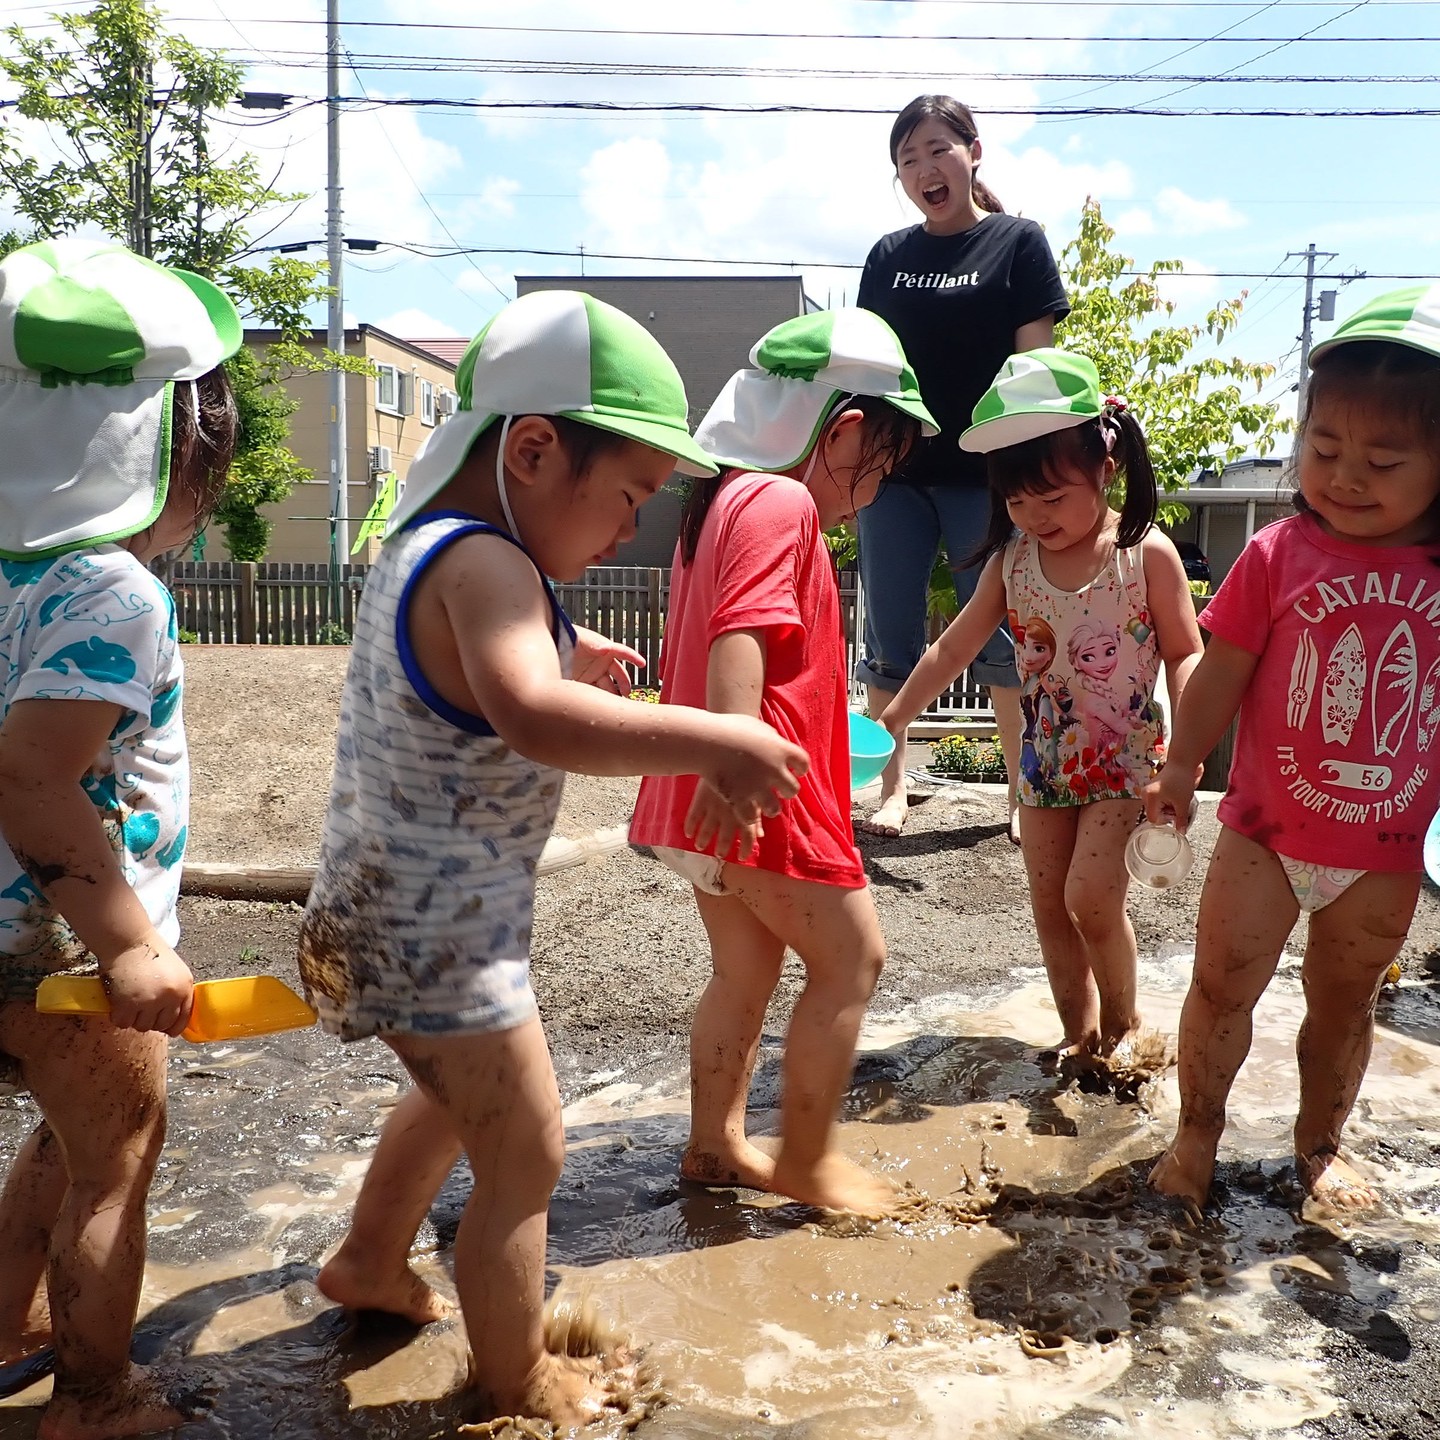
1185	1171
1333	1181
834	1183
144	1402
743	1164
357	1286
571	1389
889	819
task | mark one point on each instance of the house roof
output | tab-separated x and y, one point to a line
446	348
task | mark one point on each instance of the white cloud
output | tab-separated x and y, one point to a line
416	323
1136	222
1186	214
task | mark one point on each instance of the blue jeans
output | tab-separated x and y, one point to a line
900	536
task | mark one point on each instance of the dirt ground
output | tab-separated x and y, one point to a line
619	955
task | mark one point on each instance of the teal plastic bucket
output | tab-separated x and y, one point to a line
1432	837
871	747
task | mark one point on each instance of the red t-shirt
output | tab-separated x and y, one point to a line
1333	756
762	564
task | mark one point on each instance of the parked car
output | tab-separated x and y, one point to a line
1194	559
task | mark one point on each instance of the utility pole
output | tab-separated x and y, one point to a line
335	337
1326	312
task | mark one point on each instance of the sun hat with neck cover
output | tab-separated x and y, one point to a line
93	340
769	417
557	352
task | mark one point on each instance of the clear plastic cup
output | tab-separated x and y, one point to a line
1158	855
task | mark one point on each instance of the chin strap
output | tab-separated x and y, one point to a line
500	479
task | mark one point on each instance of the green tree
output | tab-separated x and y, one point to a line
131	109
1198	411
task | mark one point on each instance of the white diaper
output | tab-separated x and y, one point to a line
704	872
1315	886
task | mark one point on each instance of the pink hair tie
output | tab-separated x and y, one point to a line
1116	403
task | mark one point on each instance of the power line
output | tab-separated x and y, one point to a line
623	34
430	251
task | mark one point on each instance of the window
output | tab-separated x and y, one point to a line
387	389
427	403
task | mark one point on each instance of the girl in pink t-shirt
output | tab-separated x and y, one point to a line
804	441
1325	637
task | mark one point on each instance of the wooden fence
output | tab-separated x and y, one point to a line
283	603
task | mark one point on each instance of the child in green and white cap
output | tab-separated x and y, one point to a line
117	427
469	694
1323	640
1096	600
806	438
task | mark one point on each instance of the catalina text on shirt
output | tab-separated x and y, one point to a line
1327	597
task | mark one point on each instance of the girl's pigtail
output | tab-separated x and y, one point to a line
693	512
1126	442
984	197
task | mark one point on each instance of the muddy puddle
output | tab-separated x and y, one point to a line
1029	1288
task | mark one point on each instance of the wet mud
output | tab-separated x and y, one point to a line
1028	1287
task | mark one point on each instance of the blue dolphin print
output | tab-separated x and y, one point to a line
95	658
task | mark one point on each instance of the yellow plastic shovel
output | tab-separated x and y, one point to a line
223	1009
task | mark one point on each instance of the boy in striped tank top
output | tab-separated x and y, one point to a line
469	695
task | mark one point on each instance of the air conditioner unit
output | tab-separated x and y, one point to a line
447	402
381	460
405	399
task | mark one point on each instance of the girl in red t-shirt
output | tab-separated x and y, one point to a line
753	628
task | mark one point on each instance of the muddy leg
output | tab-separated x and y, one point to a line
1047	838
31	1200
1095	890
1353	941
371	1269
890	818
837	935
498	1091
1247	910
1006	702
102	1092
746	960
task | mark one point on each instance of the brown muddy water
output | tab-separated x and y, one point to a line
1029	1289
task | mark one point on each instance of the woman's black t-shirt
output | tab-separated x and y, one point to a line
956	302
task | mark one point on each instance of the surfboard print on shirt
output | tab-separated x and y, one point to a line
1343	694
1392	693
1428	712
1302	681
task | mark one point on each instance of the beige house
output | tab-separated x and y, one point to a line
387	414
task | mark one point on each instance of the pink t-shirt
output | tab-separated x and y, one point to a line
762	564
1332	758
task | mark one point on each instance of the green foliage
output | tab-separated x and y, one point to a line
1199	587
968	758
1192	407
188	637
645	693
127	107
332	633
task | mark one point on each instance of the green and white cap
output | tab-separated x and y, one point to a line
1404	317
769	418
92	340
1036	393
558	352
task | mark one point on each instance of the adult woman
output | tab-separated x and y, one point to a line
964	289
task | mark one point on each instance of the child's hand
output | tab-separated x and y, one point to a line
752	767
150	988
1169	796
602	662
711	824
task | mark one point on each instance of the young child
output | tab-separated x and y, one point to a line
1106	592
754	629
1323	637
457	724
117	427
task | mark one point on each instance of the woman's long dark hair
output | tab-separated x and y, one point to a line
1035	467
889	433
954	116
1398	381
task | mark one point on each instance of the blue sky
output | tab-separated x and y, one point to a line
1228	195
